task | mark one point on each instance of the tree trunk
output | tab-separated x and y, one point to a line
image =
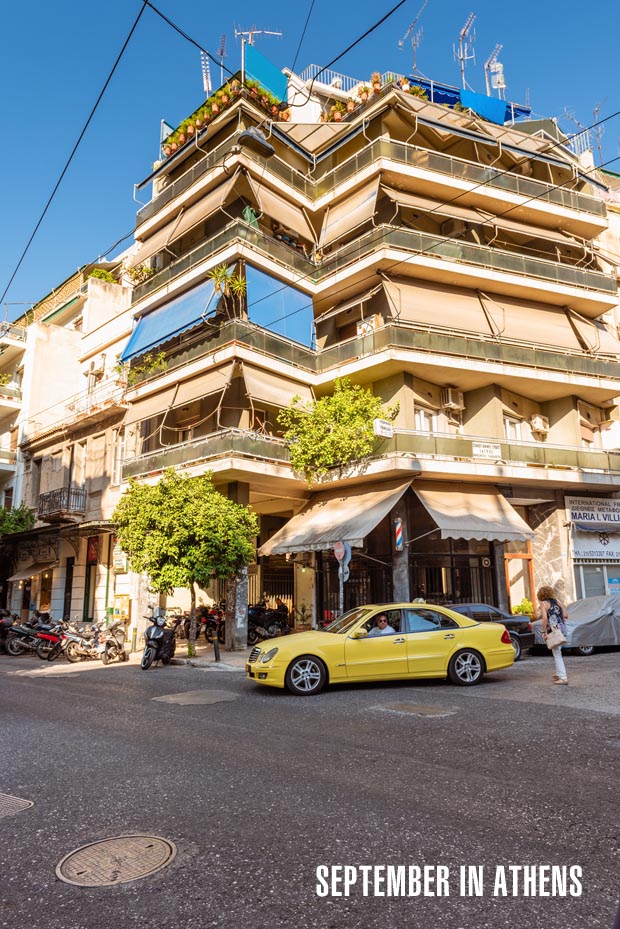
237	612
191	645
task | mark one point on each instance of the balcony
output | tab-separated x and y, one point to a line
238	442
525	454
62	504
8	459
433	257
106	397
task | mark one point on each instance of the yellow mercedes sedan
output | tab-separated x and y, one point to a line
396	641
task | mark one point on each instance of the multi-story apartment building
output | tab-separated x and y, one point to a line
451	264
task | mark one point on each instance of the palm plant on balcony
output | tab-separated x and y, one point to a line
229	284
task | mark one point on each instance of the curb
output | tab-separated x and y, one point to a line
204	664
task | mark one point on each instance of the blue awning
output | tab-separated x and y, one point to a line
167	321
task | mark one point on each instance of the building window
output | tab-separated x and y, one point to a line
118	456
8	499
425	420
513	429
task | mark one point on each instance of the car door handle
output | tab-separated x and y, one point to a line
398	641
449	636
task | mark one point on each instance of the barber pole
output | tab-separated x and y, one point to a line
398	535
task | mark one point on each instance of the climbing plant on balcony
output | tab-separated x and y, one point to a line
182	532
333	432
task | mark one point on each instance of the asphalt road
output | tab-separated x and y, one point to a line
257	789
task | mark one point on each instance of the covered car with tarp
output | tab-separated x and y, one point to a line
592	622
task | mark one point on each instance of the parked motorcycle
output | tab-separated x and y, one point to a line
113	641
6	622
25	637
159	641
84	645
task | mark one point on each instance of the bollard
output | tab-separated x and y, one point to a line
216	648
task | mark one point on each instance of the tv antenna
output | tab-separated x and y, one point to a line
467	37
206	73
581	141
598	130
494	74
416	37
221	54
250	34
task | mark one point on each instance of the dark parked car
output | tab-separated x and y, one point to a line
519	627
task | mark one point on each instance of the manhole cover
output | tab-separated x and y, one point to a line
10	805
198	697
115	861
418	709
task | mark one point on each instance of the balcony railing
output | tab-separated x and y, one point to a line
402	153
534	454
107	395
62	502
420	445
396	335
409	240
10	393
238	442
481	256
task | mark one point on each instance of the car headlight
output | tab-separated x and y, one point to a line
269	655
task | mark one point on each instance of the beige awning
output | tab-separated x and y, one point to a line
437	207
356	209
349	304
335	516
209	382
432	305
594	334
535	323
315	137
480	512
184	221
272	389
36	567
290	216
150	406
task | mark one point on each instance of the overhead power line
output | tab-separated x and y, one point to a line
75	148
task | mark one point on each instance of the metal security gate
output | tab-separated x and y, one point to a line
368	583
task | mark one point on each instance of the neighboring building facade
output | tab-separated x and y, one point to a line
451	264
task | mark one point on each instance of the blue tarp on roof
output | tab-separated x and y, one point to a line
278	307
490	108
167	321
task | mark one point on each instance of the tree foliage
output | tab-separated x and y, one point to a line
332	432
182	531
19	519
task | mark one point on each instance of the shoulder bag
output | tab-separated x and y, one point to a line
555	637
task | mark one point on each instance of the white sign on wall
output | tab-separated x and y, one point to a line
595	527
486	450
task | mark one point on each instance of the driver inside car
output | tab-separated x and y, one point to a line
381	626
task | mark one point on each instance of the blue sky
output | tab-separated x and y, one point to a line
54	59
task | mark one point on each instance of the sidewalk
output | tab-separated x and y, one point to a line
205	657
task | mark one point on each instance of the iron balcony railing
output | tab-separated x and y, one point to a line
69	501
402	153
445	447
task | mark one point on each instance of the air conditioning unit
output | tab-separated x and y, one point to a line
369	324
453	227
452	399
539	423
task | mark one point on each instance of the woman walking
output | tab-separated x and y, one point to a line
553	614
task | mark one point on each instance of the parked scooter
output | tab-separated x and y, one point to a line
25	637
112	643
84	645
159	641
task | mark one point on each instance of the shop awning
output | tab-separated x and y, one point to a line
272	389
334	516
37	567
350	213
169	320
480	512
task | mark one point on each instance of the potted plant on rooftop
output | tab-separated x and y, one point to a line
364	92
375	80
337	111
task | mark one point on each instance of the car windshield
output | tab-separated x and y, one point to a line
347	620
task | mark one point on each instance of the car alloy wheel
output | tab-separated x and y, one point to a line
466	668
306	675
584	650
516	644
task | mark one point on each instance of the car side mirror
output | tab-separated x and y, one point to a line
359	634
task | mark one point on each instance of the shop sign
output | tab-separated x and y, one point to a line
383	428
595	527
486	450
119	560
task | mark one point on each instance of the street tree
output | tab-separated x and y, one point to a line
182	532
334	431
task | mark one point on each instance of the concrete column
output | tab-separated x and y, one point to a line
400	560
237	612
239	492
